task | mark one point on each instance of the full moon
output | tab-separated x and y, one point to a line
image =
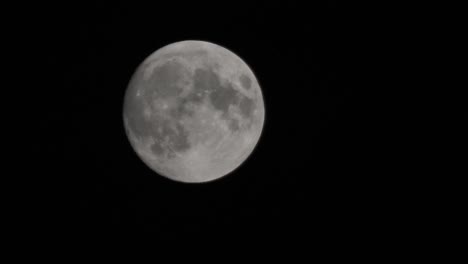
193	111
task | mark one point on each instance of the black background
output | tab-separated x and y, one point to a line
312	174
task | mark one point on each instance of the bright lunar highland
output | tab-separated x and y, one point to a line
193	111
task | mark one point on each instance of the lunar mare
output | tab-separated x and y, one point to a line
193	111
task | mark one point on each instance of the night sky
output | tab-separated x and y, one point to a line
313	173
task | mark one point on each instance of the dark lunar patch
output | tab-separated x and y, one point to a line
138	125
179	139
178	111
246	106
157	149
223	97
245	81
134	110
220	96
164	79
205	80
233	125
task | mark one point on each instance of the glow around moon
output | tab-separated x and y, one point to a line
193	111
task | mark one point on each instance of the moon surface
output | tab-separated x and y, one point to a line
193	111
